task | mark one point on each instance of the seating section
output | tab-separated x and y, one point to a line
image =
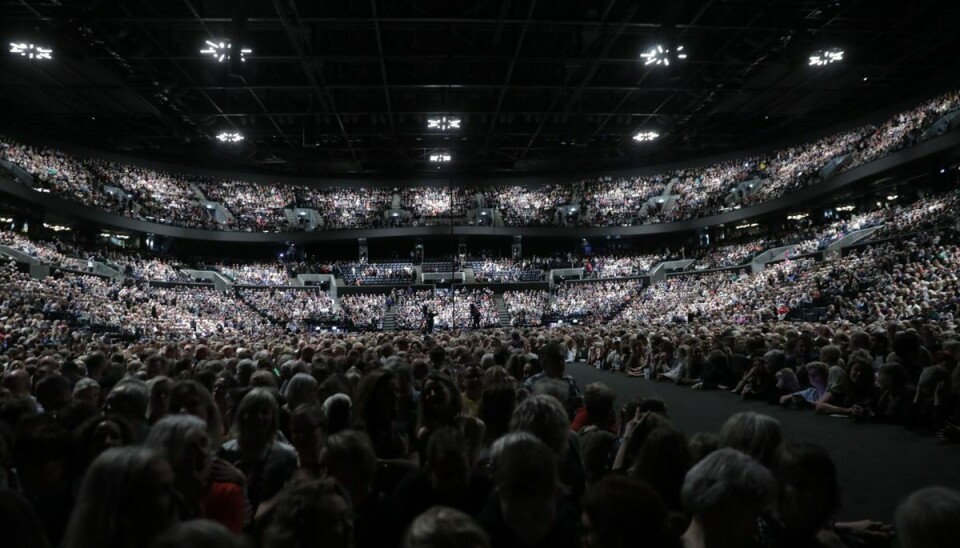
687	193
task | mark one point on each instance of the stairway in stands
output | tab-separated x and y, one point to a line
502	311
390	319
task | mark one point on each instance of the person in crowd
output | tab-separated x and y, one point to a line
186	443
527	509
349	458
753	433
445	527
313	513
127	498
929	518
266	462
199	533
726	493
620	512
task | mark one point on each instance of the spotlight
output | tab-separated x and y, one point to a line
443	123
221	51
31	51
642	136
826	57
440	157
659	55
229	137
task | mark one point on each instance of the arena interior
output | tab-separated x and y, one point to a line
515	274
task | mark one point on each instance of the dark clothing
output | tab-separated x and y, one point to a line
562	534
416	495
378	523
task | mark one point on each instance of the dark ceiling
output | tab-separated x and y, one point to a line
545	86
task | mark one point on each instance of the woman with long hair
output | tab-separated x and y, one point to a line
127	498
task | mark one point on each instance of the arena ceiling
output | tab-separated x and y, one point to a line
540	86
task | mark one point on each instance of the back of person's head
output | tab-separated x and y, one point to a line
929	518
544	417
199	533
755	434
524	466
349	457
621	512
702	444
727	489
598	400
301	389
192	398
313	513
130	398
552	357
809	492
180	437
19	522
442	527
126	499
53	392
663	462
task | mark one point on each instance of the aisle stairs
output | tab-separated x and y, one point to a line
390	319
502	311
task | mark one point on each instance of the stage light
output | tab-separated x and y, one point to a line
643	136
31	51
230	137
659	55
797	216
221	51
892	197
443	123
440	157
826	57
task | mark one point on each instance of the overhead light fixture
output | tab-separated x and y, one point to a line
892	197
747	225
847	208
440	157
443	123
642	136
826	57
229	137
659	55
797	216
221	51
30	51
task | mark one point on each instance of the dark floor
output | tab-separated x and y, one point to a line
878	465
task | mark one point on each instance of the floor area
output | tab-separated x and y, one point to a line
878	464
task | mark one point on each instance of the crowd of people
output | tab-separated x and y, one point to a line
429	309
241	435
527	308
295	309
255	273
683	194
363	311
593	302
506	270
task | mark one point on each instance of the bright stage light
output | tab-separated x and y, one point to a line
826	57
440	157
221	51
443	123
31	51
229	137
659	55
643	136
